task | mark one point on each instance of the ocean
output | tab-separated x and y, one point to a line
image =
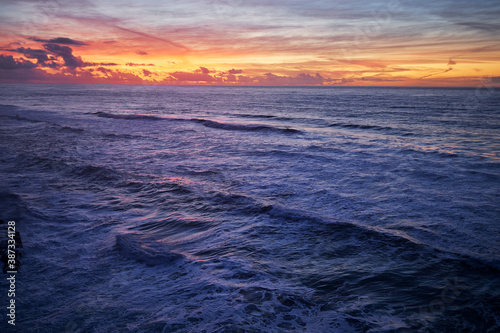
252	209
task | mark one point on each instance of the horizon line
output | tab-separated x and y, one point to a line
245	85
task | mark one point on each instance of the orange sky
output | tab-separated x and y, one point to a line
273	42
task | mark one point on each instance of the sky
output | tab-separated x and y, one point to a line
252	42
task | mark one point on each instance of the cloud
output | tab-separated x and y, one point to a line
40	55
204	70
105	71
22	71
153	37
116	77
51	64
192	77
235	71
429	75
111	76
101	64
344	80
146	72
245	79
92	64
59	40
8	62
135	65
378	79
202	75
141	52
493	28
365	63
80	75
66	53
451	62
300	79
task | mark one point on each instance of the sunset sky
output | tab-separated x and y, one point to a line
254	42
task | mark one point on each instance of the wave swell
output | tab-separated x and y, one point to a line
204	122
387	129
127	116
243	127
134	246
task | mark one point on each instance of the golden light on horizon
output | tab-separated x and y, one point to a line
321	43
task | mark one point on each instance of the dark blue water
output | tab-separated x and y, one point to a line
253	209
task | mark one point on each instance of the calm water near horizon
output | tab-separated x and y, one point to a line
252	209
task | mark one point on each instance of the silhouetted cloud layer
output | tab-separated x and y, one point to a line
59	40
66	53
8	62
40	55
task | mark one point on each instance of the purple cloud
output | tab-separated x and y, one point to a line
40	55
59	40
8	62
105	71
89	64
192	77
300	79
204	70
66	53
134	64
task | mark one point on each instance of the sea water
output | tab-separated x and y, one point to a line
252	209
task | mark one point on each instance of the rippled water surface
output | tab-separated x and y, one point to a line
253	209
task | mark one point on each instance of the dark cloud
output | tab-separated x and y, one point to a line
204	70
13	44
66	53
89	64
8	62
235	71
135	65
37	75
51	64
141	52
59	40
40	55
55	51
105	71
146	72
